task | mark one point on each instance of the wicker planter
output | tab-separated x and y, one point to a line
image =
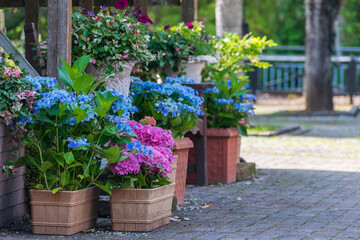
120	82
222	155
141	210
12	190
181	150
63	213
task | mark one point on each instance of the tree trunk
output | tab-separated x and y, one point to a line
320	16
229	17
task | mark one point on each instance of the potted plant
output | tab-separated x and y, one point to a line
71	130
141	197
227	107
115	40
174	107
181	50
16	102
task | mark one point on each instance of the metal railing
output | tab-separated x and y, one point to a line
287	72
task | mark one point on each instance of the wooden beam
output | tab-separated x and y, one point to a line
32	8
88	5
189	10
59	34
10	49
2	21
76	3
143	5
31	38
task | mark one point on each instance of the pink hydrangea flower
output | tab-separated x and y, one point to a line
158	141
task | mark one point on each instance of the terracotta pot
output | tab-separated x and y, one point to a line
63	213
222	155
181	150
140	210
120	82
12	189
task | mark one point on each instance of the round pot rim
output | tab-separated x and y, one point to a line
222	132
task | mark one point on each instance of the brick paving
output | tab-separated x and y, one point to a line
308	187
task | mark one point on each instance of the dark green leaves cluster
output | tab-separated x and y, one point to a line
110	39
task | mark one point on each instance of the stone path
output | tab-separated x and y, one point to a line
308	187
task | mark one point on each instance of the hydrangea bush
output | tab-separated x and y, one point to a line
71	129
111	37
145	169
228	104
175	107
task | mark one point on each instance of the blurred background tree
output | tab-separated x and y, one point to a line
282	21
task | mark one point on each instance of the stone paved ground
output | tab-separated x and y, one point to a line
308	187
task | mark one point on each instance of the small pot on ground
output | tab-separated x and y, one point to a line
141	210
121	82
222	155
65	212
181	150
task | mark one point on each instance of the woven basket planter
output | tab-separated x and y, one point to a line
120	82
63	213
222	155
181	150
12	190
141	210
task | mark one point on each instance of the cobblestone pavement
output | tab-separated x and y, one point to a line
308	187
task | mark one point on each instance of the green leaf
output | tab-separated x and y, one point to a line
83	83
77	164
128	183
80	114
82	63
103	187
51	178
64	178
46	165
65	78
112	154
242	130
59	157
55	190
39	187
69	157
111	184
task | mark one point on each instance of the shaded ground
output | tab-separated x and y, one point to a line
307	188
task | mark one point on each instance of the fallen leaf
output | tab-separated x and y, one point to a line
205	206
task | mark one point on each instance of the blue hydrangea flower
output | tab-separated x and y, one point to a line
76	143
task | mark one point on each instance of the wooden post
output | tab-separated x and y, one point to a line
88	5
32	13
2	21
143	5
31	37
352	77
59	34
189	10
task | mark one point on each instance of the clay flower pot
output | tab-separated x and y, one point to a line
181	150
193	67
141	210
120	82
222	155
63	213
12	189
